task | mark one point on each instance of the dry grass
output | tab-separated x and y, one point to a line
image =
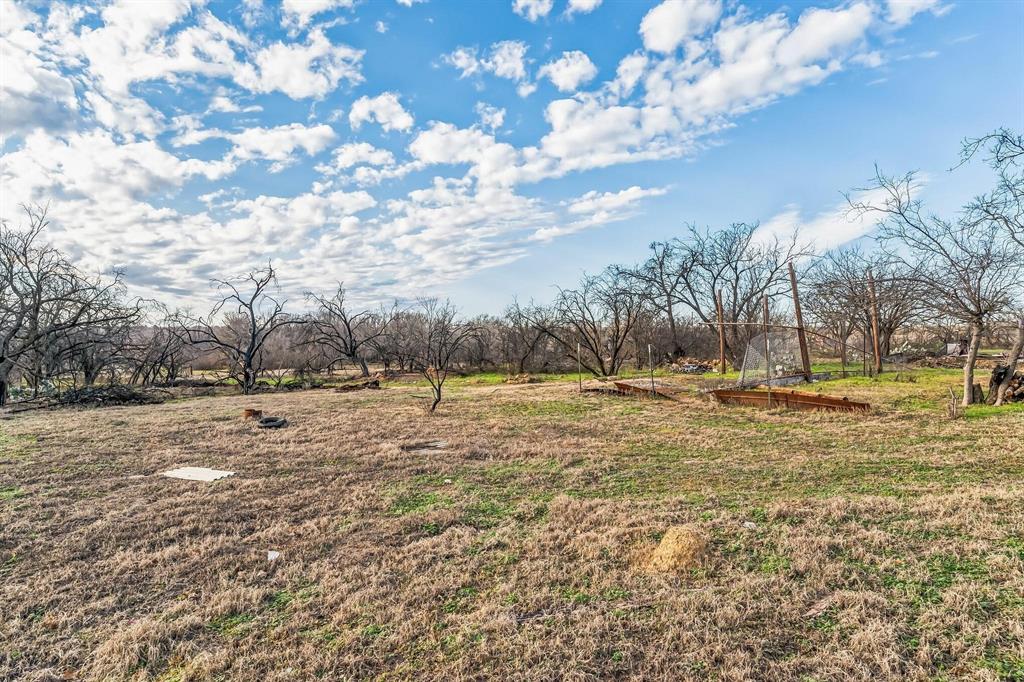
838	546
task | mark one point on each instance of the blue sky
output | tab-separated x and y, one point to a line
480	150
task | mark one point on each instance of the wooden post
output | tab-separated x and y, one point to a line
579	366
650	360
767	352
721	331
805	356
876	344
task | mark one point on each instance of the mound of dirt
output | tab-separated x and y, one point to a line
681	548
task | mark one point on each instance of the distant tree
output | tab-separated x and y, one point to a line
662	279
251	316
45	300
346	332
735	261
598	315
438	337
523	337
967	268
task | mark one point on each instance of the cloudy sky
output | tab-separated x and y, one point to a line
481	150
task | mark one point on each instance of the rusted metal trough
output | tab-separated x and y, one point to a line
644	388
794	400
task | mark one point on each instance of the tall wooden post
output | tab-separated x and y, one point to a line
767	351
876	344
805	356
720	311
650	361
579	366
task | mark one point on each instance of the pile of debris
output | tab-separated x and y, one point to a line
520	379
358	385
692	366
1014	392
105	396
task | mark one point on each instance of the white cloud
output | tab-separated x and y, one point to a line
569	71
582	6
668	25
300	71
297	13
33	92
380	27
826	230
491	117
279	144
385	109
360	153
599	208
506	59
902	12
532	10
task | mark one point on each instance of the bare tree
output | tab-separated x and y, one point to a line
438	338
348	333
967	267
44	298
251	316
741	265
662	278
1004	205
596	317
523	336
837	297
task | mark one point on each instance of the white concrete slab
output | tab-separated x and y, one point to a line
197	474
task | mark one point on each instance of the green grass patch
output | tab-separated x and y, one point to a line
11	493
417	503
231	624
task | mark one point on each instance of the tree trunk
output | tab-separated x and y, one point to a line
437	398
1011	362
3	392
972	358
363	367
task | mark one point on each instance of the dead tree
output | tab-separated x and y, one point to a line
968	268
438	338
345	332
1004	205
45	299
596	318
742	267
251	316
662	279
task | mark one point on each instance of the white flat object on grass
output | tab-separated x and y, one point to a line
197	474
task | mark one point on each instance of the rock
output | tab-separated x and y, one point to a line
750	525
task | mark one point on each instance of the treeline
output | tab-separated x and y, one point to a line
944	278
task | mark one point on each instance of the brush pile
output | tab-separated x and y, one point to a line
105	396
692	366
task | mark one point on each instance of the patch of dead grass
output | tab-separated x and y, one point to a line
889	546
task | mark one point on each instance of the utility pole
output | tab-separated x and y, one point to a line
874	323
805	356
720	310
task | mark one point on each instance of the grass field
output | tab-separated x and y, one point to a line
880	547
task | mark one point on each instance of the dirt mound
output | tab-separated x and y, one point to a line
681	548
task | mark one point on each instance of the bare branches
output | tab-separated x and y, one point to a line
439	336
345	332
240	324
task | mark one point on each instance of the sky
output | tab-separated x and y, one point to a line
484	151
